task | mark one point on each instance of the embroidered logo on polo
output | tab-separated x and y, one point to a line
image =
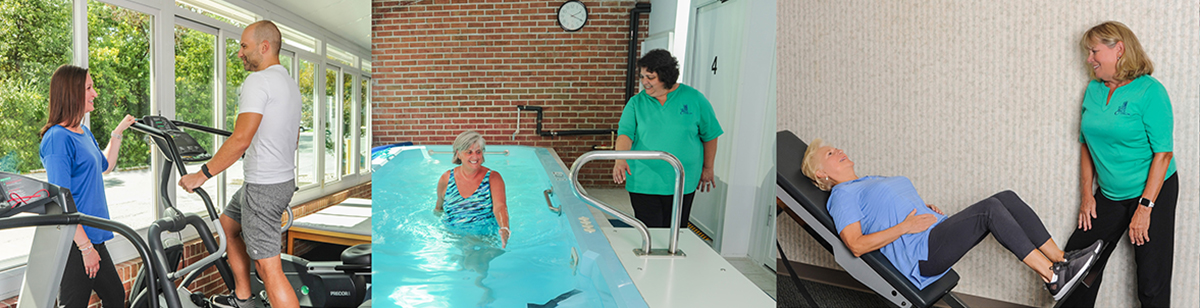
1121	110
685	110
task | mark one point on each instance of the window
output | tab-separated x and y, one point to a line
220	10
235	74
331	124
306	166
298	39
285	59
340	55
364	135
119	62
34	41
347	122
195	101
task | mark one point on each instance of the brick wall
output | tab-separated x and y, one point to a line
443	67
210	281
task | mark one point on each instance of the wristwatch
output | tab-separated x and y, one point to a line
204	170
1146	202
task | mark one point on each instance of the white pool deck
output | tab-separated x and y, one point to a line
701	279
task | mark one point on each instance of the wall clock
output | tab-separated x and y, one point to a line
572	15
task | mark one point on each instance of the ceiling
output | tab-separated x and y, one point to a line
349	18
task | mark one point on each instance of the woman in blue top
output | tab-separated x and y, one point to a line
1126	131
472	205
670	117
73	159
886	214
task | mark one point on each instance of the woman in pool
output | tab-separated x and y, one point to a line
886	214
471	203
471	195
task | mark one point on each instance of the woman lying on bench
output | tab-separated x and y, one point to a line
886	214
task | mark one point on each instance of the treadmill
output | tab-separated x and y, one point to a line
52	241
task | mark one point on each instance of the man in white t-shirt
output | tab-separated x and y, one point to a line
267	128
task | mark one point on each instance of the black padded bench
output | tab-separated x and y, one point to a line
872	269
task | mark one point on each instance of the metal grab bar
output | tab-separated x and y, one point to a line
505	152
550	204
676	202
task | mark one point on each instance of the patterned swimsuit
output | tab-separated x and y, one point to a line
471	215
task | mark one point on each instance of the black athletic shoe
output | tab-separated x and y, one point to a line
1069	272
230	301
1095	247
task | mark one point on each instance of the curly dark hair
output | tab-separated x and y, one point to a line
661	62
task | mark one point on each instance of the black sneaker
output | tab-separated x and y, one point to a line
230	301
1095	247
1069	272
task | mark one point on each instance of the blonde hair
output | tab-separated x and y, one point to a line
1133	63
811	164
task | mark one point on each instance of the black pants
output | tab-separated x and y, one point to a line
1153	258
1004	215
655	210
76	287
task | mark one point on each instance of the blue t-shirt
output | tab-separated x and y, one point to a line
879	203
74	161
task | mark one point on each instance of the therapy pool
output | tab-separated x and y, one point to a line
560	260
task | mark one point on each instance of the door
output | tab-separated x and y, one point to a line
714	70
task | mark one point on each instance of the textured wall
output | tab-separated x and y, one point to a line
442	67
968	98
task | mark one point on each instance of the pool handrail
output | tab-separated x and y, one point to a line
676	202
549	204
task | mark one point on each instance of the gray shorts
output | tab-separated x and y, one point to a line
259	209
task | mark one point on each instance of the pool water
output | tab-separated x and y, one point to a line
419	263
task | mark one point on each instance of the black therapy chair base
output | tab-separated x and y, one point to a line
872	269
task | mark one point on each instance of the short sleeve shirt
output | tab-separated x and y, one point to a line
1123	134
74	161
680	127
878	203
271	158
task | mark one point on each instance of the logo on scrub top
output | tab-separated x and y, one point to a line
685	110
1121	110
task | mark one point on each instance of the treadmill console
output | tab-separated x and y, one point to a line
20	193
189	150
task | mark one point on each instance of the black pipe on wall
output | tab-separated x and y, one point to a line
635	15
576	132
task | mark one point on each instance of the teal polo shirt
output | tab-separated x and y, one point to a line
1123	135
680	127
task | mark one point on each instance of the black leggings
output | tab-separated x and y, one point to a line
1004	215
1154	259
76	287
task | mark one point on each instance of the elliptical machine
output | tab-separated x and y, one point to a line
317	284
178	147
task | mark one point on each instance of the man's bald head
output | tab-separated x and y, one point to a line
265	30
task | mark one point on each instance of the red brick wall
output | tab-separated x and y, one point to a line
443	67
210	281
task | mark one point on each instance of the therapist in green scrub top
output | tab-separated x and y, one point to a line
671	117
1126	135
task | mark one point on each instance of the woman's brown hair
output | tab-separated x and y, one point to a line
66	97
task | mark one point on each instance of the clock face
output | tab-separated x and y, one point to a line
572	15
